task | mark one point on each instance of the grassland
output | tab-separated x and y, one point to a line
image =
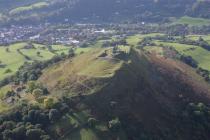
192	21
11	59
28	8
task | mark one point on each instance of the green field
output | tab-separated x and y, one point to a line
28	8
192	21
202	56
11	60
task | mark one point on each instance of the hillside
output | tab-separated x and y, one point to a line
84	72
101	11
145	92
105	94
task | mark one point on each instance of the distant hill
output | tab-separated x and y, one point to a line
102	10
6	5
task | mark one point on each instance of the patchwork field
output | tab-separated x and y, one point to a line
13	56
199	54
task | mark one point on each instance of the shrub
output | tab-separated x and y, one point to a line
37	93
8	71
92	122
49	102
34	134
19	133
41	99
54	115
31	86
114	125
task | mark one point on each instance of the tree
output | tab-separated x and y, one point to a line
92	122
71	53
37	93
114	125
34	134
48	102
33	77
19	133
8	71
8	124
54	115
38	53
7	134
45	137
50	48
31	86
189	60
45	91
7	49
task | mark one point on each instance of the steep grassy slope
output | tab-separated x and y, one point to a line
83	71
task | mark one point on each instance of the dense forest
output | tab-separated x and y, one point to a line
102	11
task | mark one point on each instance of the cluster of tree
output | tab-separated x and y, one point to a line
189	60
204	73
24	124
196	116
31	121
22	131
